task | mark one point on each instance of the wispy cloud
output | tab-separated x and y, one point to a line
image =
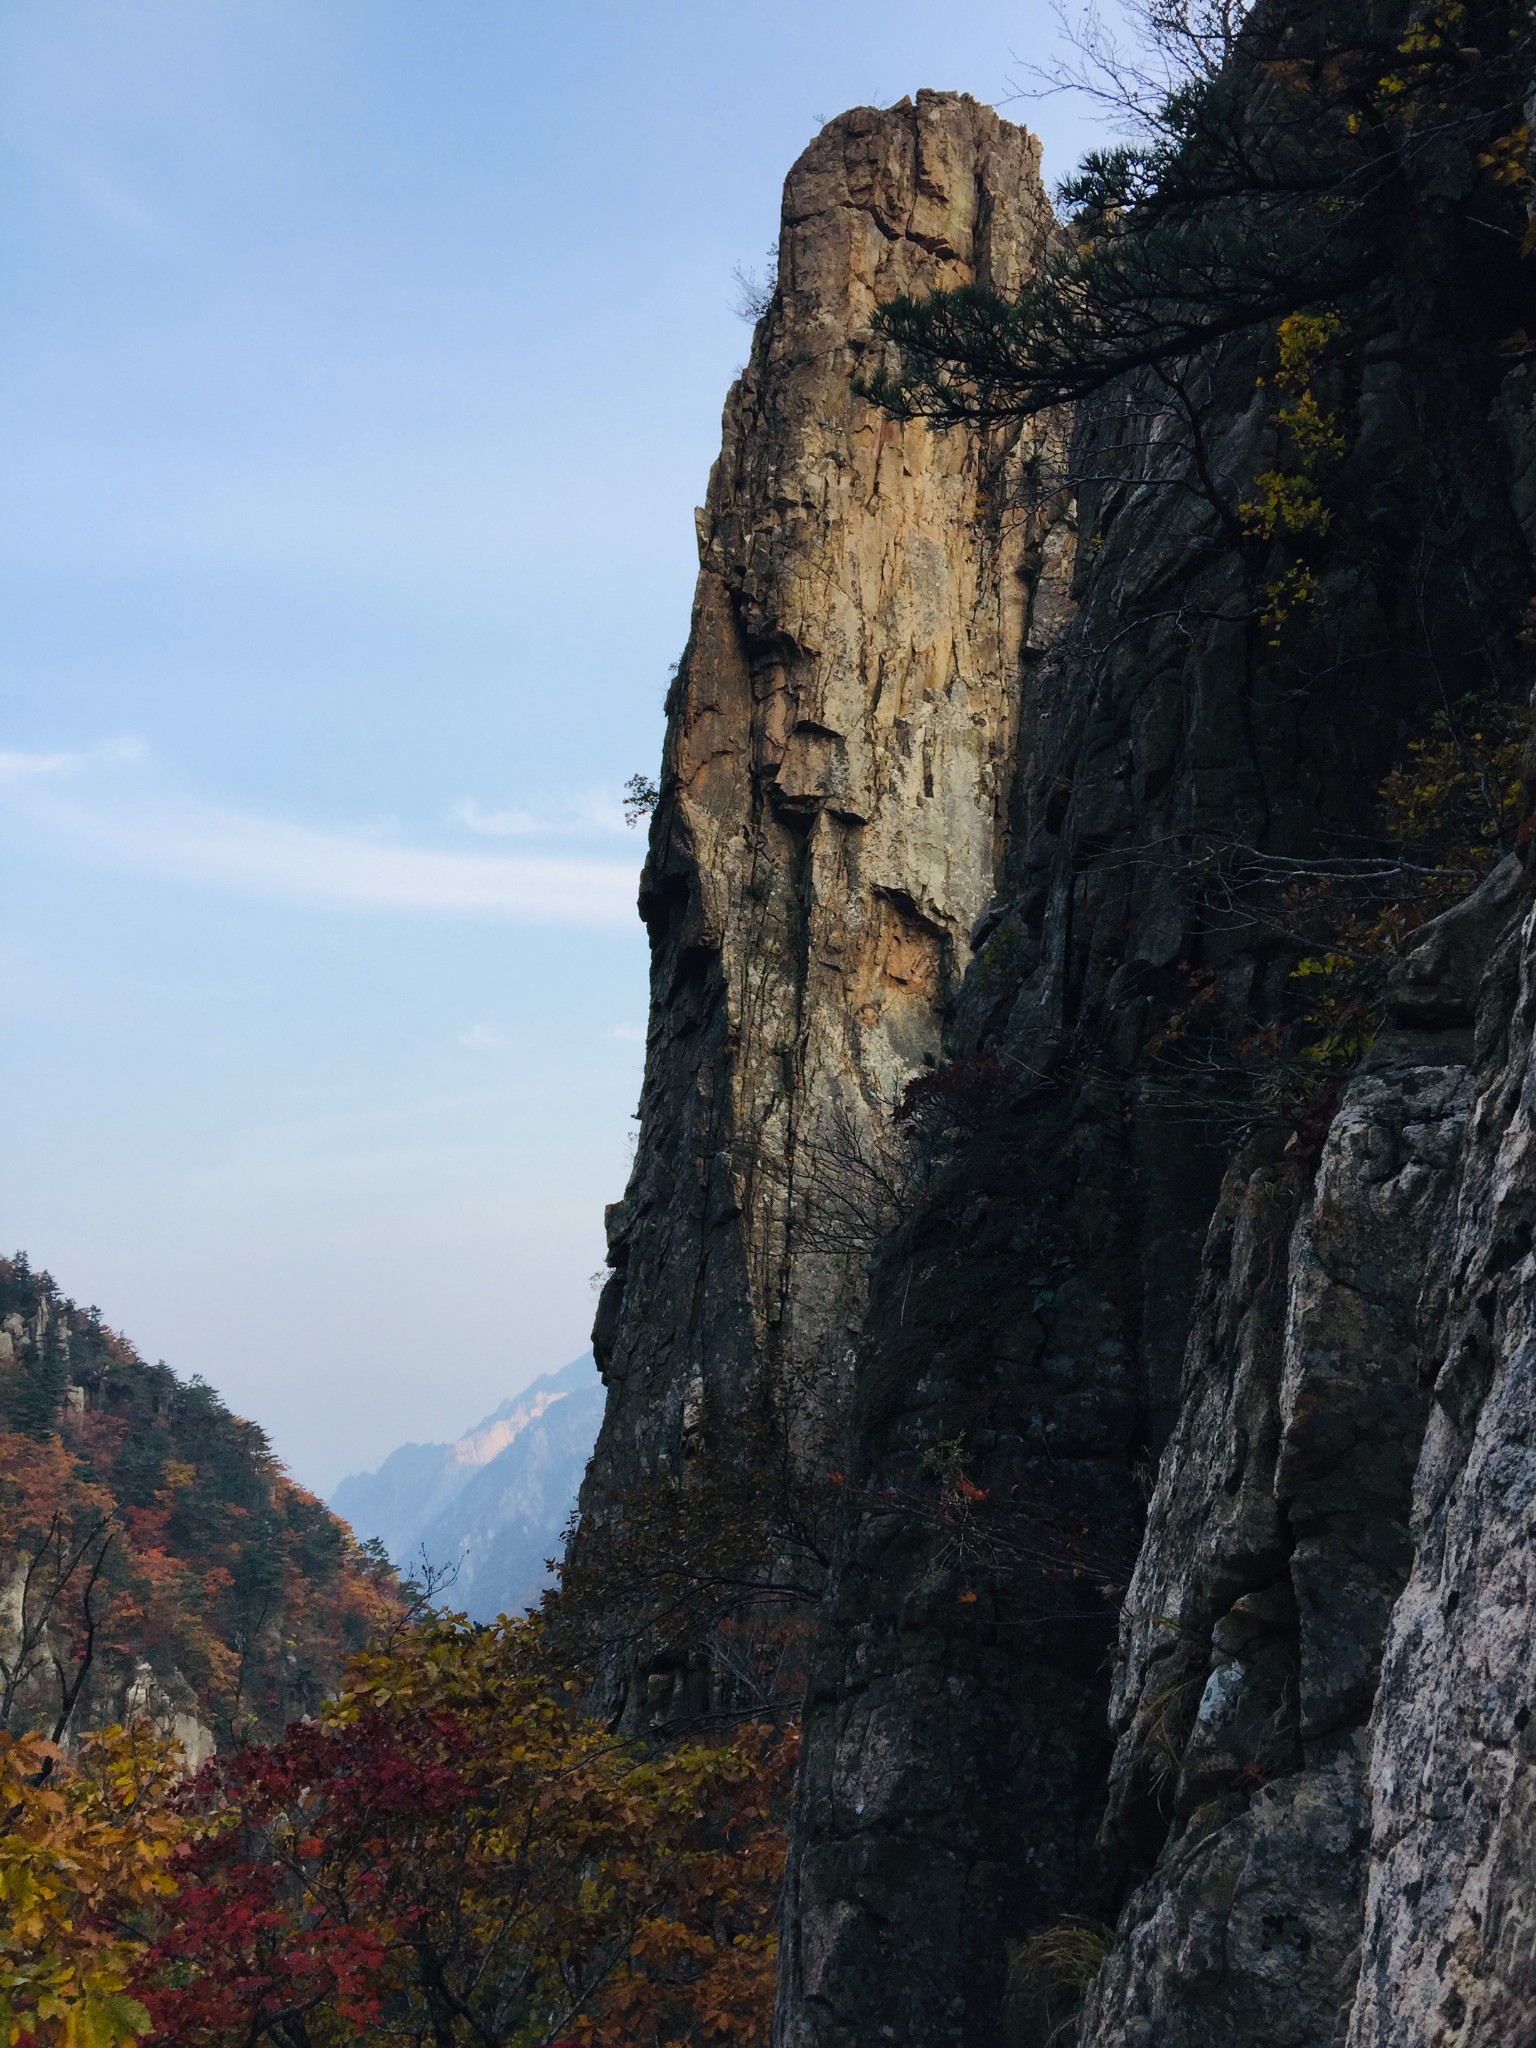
187	841
273	858
633	1032
15	767
495	824
595	812
482	1038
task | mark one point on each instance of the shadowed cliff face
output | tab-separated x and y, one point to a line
1117	1276
837	764
1183	1574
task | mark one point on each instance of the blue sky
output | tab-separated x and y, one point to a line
361	364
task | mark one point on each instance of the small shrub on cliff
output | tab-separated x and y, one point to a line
1452	808
1454	804
641	796
1289	504
1054	1967
1066	1955
943	1108
1448	811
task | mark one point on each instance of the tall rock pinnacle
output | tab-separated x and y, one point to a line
835	778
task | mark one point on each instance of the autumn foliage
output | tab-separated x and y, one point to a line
154	1550
452	1852
85	1850
409	1830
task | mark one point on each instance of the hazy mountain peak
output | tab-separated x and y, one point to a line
493	1502
488	1439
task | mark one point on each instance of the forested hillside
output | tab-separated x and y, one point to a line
252	1794
153	1552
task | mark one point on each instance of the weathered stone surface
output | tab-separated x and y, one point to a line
1277	1543
1451	1911
835	779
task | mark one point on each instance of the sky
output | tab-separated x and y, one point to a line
361	363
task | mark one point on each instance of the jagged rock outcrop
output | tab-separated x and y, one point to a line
834	786
1447	1950
1183	1582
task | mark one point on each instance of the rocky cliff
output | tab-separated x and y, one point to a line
1177	1646
834	787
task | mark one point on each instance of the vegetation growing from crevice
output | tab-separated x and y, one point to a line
1054	1966
1289	501
1448	811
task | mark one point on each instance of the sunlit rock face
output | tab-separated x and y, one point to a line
835	785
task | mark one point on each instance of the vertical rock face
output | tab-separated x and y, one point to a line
837	764
1184	1582
1340	1745
1449	1914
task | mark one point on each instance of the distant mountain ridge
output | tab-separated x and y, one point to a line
492	1503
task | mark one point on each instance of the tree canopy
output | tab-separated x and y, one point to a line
1276	169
